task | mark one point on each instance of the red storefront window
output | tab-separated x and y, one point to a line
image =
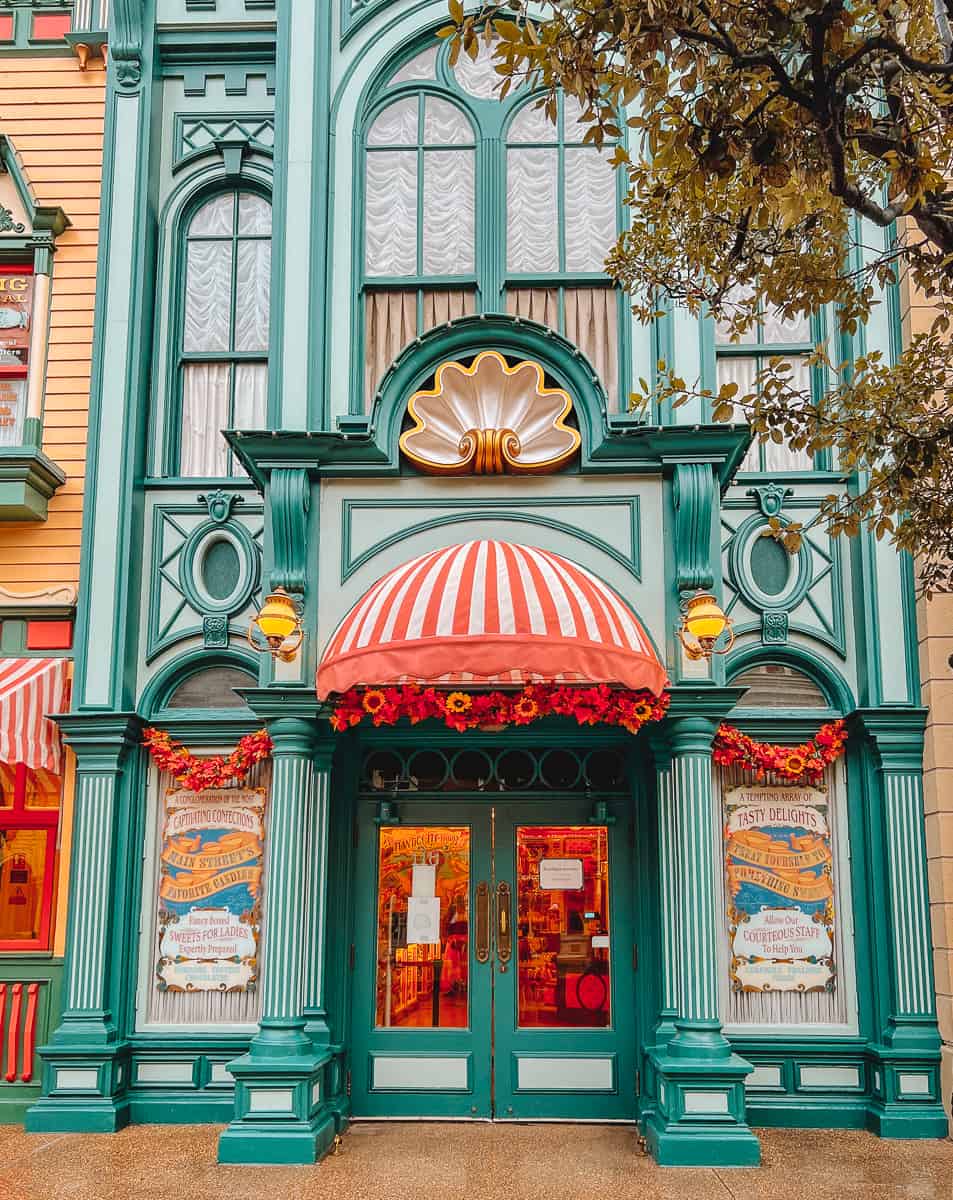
16	312
29	821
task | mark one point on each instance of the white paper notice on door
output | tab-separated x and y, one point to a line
424	882
560	874
423	920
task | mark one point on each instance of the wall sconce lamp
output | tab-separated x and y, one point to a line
280	626
703	625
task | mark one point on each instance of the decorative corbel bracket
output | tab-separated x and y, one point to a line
289	497
693	494
233	151
125	43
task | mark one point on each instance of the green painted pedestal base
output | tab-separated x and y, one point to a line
905	1101
84	1091
282	1113
697	1118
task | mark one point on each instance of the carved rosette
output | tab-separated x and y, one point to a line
490	418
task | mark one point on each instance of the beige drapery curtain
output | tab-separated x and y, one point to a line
591	323
390	322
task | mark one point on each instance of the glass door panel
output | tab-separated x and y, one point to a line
423	944
563	918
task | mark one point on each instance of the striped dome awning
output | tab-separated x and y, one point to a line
490	613
30	688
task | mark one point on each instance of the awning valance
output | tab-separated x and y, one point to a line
29	689
490	613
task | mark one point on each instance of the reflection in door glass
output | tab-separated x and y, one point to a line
423	947
563	916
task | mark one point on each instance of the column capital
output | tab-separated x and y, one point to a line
895	735
296	720
695	714
100	741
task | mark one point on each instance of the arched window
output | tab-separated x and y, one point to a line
224	330
774	685
211	688
472	204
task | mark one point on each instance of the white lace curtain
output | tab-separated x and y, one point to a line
225	329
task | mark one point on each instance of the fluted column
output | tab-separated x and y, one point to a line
284	1112
906	1100
315	1010
287	881
697	849
86	1062
697	1104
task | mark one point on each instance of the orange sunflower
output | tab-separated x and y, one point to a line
642	710
459	702
794	764
373	701
526	708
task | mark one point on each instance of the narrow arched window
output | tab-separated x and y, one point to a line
473	204
224	331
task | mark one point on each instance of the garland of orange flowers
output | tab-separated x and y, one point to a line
599	705
198	774
793	763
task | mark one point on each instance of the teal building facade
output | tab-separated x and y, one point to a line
317	234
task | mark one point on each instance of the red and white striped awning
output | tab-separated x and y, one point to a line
489	612
29	689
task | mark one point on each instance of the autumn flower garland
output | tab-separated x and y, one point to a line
793	763
460	710
198	774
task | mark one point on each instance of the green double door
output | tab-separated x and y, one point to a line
494	963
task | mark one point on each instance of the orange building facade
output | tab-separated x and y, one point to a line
52	90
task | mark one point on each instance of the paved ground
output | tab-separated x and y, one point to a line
476	1162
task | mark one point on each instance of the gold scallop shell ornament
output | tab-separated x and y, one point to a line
489	418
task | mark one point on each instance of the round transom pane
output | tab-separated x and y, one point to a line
773	685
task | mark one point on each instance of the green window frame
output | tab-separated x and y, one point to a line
426	300
240	369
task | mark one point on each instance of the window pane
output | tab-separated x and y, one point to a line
43	789
204	414
776	329
251	395
445	124
23	867
783	458
254	215
12	411
590	210
741	370
216	218
7	784
531	125
252	292
478	76
208	296
531	211
574	130
390	219
563	922
449	214
722	332
421	66
423	943
772	685
396	125
211	689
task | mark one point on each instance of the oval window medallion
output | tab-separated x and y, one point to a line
770	565
221	569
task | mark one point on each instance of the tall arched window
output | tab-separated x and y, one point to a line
472	204
224	331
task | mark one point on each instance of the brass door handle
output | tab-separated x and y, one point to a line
504	929
482	922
